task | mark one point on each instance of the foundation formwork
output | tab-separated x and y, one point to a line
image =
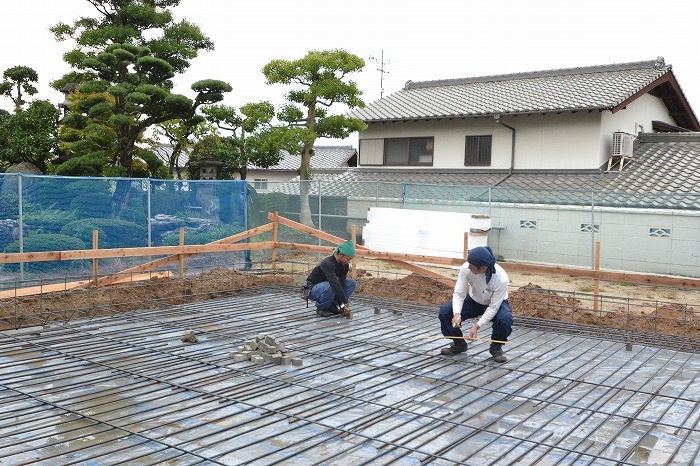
373	389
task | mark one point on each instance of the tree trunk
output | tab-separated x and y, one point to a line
305	187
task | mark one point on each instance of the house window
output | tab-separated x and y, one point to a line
260	184
408	151
477	151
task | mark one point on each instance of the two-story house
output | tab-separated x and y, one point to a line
545	121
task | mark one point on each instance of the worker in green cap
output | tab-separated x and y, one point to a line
328	283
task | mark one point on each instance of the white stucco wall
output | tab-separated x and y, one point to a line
566	141
273	177
561	141
635	118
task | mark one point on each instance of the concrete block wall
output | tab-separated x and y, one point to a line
632	240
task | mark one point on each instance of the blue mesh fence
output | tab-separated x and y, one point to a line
60	213
531	225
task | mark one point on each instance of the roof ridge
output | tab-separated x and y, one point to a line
658	63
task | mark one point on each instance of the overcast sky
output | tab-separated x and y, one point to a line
439	39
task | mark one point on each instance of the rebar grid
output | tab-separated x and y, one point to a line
124	388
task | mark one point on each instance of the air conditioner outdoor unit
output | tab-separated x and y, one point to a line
622	144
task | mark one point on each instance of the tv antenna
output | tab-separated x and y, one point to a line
382	69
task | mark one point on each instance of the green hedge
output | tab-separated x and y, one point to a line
47	221
112	233
42	243
202	237
91	206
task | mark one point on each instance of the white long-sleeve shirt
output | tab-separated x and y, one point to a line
489	294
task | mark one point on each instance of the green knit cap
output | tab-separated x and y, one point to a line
347	248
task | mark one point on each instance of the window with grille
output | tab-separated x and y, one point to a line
477	151
408	151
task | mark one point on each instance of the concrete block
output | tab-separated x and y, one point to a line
240	357
270	340
276	358
285	360
297	362
265	348
257	359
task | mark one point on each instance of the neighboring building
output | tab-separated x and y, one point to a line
543	121
327	161
558	159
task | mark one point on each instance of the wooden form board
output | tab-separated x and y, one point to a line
405	261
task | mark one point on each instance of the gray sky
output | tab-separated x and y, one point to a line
440	39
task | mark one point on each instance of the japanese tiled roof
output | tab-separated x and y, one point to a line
574	89
664	173
325	158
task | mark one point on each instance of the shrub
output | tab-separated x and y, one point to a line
9	205
112	233
47	221
42	243
202	237
135	215
92	205
168	202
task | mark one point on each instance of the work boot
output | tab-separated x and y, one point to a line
497	352
454	348
325	313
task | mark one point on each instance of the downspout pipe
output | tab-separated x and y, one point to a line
512	148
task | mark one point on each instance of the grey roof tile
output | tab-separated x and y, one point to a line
665	173
589	88
325	158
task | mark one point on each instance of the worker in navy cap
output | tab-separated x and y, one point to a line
328	283
481	291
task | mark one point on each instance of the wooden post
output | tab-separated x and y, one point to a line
353	236
181	256
95	246
596	282
275	227
466	245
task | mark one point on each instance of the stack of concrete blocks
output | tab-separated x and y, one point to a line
265	349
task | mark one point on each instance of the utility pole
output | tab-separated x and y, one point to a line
382	70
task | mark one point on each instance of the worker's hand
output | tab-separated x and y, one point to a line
473	331
456	320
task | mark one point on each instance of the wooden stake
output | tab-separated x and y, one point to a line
353	238
275	228
95	267
181	256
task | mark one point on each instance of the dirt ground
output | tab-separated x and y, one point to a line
661	310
